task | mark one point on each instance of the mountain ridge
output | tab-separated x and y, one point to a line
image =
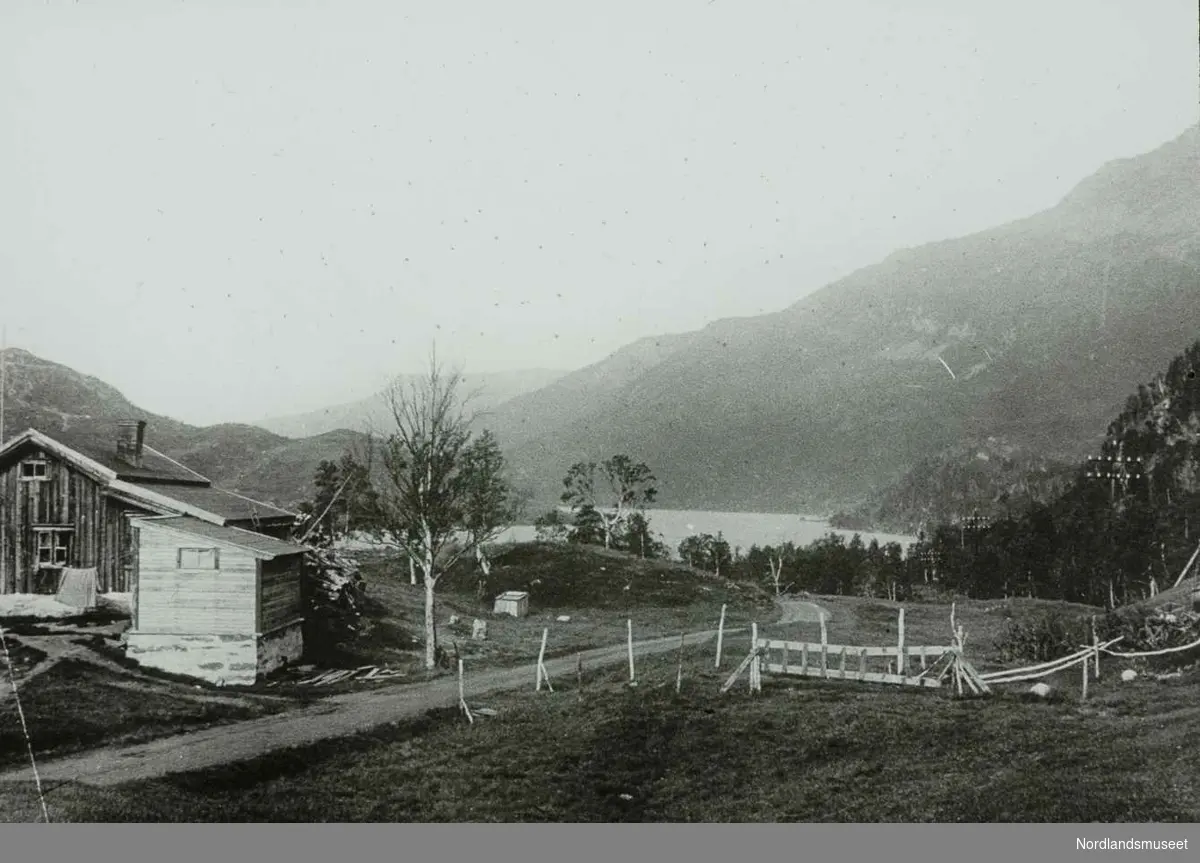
773	408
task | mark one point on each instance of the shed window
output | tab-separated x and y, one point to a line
53	547
34	469
199	558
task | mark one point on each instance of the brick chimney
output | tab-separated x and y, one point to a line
130	436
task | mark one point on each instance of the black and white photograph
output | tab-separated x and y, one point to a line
676	411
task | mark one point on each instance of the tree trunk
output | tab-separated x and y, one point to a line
412	572
485	570
430	625
430	584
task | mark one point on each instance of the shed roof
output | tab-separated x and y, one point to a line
513	595
258	544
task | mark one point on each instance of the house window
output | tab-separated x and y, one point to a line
34	470
53	547
199	558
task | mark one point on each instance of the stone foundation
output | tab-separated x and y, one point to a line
276	649
220	659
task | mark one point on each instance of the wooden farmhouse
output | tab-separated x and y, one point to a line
215	587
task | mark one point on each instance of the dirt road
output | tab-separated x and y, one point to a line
337	716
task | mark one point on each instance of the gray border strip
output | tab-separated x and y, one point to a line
569	843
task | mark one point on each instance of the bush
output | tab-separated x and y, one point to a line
1051	635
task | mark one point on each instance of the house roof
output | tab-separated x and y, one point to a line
265	547
163	484
97	441
228	505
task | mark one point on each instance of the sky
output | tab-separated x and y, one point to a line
232	209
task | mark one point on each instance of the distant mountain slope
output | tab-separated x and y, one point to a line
989	477
1045	325
249	460
488	390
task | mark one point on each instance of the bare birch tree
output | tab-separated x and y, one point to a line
438	503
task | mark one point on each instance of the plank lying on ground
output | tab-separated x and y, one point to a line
336	677
804	647
867	676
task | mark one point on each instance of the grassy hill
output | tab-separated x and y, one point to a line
599	590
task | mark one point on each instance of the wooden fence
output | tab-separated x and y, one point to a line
906	664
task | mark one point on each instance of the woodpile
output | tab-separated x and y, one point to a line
342	675
1169	626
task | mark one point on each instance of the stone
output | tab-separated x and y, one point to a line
563	618
479	630
1128	674
453	619
1040	689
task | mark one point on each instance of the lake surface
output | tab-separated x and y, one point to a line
742	529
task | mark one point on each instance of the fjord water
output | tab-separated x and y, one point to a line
740	529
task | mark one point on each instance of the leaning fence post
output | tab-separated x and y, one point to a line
462	698
720	635
679	669
541	666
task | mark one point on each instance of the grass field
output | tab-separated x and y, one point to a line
797	751
801	750
597	589
75	705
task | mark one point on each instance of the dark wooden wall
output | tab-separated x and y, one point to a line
279	599
100	534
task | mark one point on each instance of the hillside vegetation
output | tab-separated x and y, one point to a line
1104	540
1046	324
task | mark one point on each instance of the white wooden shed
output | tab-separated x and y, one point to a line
213	602
514	602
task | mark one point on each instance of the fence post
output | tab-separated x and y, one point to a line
629	630
720	635
824	648
679	669
1096	646
901	659
754	663
1083	691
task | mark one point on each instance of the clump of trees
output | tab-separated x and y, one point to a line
829	565
605	504
608	494
426	485
707	552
